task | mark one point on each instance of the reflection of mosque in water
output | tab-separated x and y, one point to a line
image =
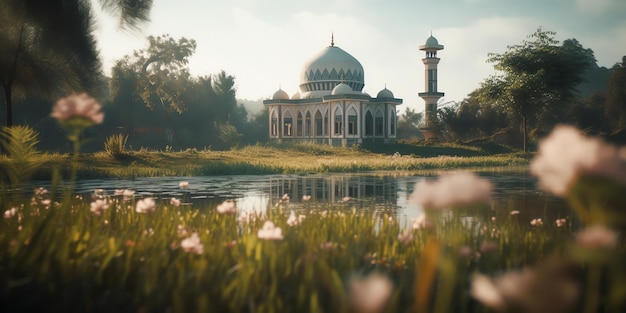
366	190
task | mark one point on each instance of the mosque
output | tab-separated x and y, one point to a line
331	107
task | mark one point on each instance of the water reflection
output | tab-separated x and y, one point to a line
389	192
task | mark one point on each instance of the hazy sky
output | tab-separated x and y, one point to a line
265	43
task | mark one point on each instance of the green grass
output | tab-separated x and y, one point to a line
272	159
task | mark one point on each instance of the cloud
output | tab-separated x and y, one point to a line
600	6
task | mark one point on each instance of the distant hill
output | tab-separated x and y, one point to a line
252	106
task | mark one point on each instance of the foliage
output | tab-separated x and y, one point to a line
20	143
538	76
408	124
229	134
115	146
616	96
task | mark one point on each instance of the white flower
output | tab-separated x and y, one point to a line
560	222
41	191
536	222
78	105
183	184
306	198
174	201
98	207
227	207
370	294
192	244
455	188
514	212
345	199
145	205
597	237
566	154
285	198
270	232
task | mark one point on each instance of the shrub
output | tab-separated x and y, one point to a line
115	146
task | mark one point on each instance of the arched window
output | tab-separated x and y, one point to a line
299	125
392	122
307	124
287	124
274	124
319	124
352	122
369	124
338	122
378	123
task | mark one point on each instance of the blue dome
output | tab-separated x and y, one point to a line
385	93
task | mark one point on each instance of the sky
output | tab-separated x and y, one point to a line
264	44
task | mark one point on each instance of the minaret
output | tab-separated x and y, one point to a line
431	95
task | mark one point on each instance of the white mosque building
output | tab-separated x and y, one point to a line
331	107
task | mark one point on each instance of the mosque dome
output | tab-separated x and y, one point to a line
385	93
342	89
327	69
280	95
295	96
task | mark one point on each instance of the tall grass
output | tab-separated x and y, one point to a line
62	257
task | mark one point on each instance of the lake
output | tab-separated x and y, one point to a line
389	191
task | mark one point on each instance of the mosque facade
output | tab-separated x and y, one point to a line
331	107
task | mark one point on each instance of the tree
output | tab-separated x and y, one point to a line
159	74
616	96
408	124
47	48
537	75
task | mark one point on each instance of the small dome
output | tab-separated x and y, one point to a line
431	44
342	89
280	95
385	93
295	96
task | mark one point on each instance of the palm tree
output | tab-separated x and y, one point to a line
47	47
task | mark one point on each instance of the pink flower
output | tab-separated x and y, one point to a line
227	207
560	222
192	244
306	198
566	154
421	222
10	212
514	212
270	232
536	222
547	288
175	201
293	220
183	184
453	189
405	237
145	205
285	198
98	207
78	105
370	294
597	237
